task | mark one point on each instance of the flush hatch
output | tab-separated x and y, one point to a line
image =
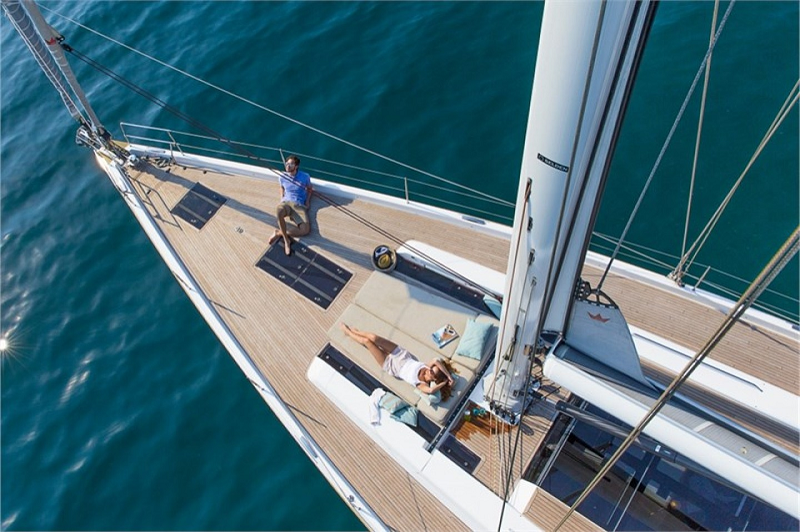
307	272
198	205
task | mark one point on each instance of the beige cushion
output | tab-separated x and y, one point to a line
361	319
413	309
407	314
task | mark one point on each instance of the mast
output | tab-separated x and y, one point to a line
587	59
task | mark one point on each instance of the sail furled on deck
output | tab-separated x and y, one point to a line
588	56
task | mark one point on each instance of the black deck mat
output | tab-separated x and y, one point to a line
198	205
307	272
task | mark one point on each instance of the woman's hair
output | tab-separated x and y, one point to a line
445	390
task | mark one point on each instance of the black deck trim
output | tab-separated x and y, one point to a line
198	205
310	274
458	291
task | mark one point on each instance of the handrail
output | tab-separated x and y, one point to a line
477	203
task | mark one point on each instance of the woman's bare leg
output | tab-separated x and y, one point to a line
377	353
380	341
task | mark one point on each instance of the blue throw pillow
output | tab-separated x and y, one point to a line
391	403
474	339
407	415
494	306
431	398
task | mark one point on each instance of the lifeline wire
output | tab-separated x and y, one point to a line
276	113
235	146
666	143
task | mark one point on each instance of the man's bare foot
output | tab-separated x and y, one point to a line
275	236
287	245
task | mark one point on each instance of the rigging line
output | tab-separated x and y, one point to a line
219	137
41	55
155	99
266	109
771	270
631	247
699	132
706	232
667	141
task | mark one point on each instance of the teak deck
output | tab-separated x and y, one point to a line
282	331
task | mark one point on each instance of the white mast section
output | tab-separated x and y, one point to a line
587	56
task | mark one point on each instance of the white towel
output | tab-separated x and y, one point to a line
374	406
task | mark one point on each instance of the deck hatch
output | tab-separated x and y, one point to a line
198	205
459	454
464	294
307	272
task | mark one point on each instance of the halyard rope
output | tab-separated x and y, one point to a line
699	132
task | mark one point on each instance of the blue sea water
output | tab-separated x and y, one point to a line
120	409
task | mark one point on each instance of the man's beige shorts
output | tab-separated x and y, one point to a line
297	212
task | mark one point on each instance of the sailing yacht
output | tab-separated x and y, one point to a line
559	355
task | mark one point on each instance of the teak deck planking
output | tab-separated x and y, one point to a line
282	331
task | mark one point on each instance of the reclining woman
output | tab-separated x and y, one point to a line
434	376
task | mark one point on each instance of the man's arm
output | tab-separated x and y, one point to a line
309	191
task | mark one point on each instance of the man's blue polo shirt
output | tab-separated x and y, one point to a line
294	188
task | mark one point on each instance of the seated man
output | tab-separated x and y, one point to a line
295	198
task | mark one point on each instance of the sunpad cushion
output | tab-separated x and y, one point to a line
412	309
361	319
474	339
418	313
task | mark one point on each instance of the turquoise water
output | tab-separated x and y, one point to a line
120	410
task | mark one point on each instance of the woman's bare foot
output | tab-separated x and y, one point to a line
359	336
351	333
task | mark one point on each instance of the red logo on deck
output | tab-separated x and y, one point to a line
598	317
